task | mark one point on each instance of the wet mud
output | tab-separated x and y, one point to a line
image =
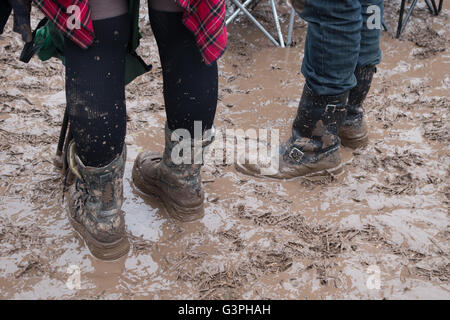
386	218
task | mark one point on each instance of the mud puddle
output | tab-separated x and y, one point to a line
386	217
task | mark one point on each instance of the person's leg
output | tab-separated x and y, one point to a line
370	51
95	87
95	92
190	95
190	86
354	130
331	54
332	45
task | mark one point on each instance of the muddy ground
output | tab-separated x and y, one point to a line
260	239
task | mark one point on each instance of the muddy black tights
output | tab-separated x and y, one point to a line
190	86
95	84
95	92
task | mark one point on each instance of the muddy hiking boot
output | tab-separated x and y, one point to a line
95	201
354	131
313	148
179	186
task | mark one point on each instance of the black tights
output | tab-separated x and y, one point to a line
95	92
95	86
190	86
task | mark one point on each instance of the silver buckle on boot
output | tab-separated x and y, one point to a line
296	154
331	108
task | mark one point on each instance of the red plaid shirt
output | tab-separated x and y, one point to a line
56	11
204	18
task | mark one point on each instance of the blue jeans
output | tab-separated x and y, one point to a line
338	40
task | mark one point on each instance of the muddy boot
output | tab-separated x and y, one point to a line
313	148
95	201
354	132
179	186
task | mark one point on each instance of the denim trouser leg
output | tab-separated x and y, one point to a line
338	39
370	51
332	45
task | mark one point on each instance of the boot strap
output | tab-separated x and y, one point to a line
333	108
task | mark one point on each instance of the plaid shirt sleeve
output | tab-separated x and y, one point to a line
58	11
204	18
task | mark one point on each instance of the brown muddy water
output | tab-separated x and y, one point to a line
378	231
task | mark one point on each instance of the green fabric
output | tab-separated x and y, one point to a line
50	42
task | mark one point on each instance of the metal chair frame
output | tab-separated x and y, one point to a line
403	20
242	7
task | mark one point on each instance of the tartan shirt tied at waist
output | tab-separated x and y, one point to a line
204	18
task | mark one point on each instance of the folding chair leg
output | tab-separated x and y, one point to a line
400	19
235	13
291	27
401	23
440	6
434	6
240	6
430	6
437	9
277	22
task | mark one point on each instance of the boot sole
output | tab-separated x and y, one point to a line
102	250
175	211
355	143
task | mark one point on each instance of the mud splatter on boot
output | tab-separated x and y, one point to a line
95	201
313	148
354	131
179	186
